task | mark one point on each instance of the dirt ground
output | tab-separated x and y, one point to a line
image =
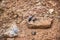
24	12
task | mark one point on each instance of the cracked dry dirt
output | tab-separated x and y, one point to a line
44	27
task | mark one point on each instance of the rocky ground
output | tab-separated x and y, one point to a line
36	19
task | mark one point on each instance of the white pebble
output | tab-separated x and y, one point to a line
51	11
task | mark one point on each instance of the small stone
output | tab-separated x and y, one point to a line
51	11
15	16
33	33
42	23
38	3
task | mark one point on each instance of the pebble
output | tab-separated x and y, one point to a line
51	10
42	23
33	33
15	16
